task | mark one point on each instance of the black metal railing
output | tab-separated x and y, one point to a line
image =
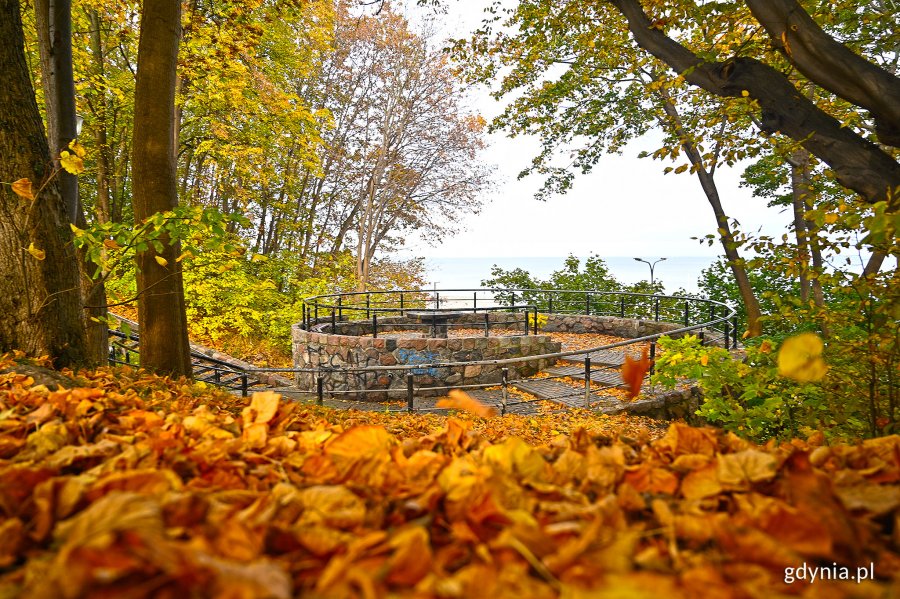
714	322
124	349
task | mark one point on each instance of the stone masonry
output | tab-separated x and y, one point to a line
330	353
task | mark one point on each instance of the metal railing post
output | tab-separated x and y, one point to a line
487	324
656	309
504	374
437	300
368	306
622	307
375	326
316	317
734	333
320	389
727	334
687	312
652	356
702	337
587	304
243	385
340	308
410	396
550	304
535	320
587	382
474	302
401	303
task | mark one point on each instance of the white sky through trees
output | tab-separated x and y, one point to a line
625	207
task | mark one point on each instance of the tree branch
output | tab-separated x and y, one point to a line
858	163
832	65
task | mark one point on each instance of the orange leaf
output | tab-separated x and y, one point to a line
633	372
460	400
22	188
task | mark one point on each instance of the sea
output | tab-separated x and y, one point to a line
676	272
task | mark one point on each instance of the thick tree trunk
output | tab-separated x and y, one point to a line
39	299
161	313
54	21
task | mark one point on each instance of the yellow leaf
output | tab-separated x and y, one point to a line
831	218
745	93
38	254
704	360
71	162
738	470
186	254
22	188
262	408
800	358
517	457
111	244
161	261
258	258
77	148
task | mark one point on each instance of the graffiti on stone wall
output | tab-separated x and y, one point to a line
413	356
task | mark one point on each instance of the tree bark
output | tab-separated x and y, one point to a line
832	65
39	299
54	22
800	191
726	236
161	311
857	163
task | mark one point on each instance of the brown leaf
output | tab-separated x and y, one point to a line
742	469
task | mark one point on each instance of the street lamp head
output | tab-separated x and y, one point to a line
638	259
661	259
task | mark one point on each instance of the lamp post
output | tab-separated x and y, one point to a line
651	265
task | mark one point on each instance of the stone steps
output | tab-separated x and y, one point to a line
603	357
603	376
552	390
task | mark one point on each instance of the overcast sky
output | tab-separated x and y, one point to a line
626	207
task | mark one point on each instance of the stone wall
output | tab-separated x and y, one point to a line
630	328
332	353
665	405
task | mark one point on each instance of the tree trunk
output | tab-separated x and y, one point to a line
54	21
726	236
161	313
800	191
39	298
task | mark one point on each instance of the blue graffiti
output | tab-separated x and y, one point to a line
411	356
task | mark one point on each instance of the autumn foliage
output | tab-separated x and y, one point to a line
129	485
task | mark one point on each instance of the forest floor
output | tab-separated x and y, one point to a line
116	483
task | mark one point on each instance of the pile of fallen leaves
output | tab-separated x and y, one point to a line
129	485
